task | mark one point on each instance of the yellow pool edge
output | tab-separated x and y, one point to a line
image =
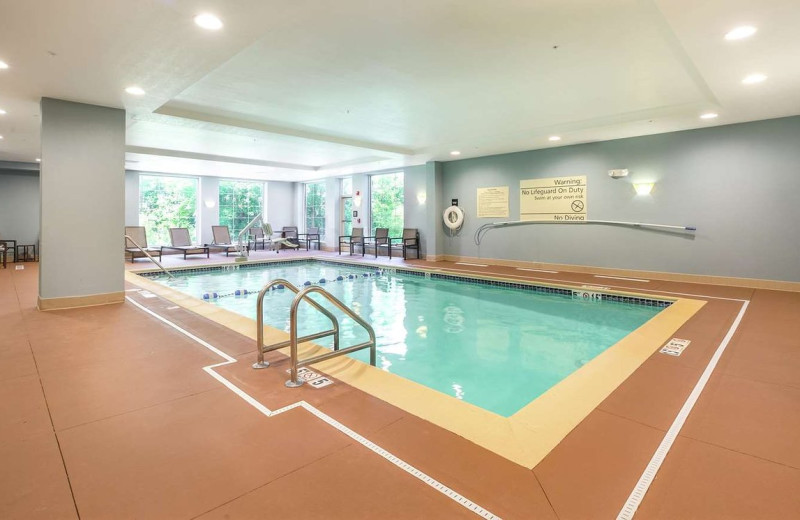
527	436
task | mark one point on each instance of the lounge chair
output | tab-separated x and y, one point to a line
139	235
356	238
409	240
276	243
290	234
222	240
182	242
381	239
310	237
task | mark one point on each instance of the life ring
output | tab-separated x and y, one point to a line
453	217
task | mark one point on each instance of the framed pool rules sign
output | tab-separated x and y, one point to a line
556	199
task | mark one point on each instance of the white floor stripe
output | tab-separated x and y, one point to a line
622	278
639	491
536	270
474	265
438	486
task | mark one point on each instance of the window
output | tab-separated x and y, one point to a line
346	207
239	203
166	202
315	206
386	202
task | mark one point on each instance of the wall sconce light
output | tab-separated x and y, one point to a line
357	199
643	188
421	198
210	203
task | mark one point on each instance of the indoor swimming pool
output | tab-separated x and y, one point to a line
495	344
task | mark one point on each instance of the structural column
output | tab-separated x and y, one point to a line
434	238
82	221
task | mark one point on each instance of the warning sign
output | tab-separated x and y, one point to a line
556	199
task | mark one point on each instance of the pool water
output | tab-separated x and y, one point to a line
495	347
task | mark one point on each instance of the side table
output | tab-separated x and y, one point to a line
25	253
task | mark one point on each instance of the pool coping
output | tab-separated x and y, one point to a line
525	437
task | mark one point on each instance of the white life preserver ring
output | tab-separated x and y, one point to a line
453	217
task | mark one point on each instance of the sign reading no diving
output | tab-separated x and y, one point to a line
557	199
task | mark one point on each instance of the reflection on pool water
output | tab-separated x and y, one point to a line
496	347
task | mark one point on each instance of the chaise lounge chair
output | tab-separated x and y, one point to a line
182	242
276	243
222	240
139	235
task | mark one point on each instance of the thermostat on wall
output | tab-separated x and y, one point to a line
616	174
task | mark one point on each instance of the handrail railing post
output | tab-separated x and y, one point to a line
294	382
148	256
260	362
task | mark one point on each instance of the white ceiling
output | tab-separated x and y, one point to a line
305	89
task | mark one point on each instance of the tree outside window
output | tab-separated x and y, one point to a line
315	206
386	202
166	202
239	203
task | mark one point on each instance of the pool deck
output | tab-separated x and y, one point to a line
108	412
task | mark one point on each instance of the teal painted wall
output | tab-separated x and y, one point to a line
739	184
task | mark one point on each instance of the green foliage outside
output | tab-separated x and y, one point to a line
387	202
239	203
347	216
166	202
315	206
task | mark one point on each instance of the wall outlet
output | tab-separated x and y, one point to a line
616	174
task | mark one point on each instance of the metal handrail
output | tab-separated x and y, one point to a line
482	230
243	251
293	381
261	363
148	256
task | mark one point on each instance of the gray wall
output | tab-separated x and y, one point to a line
82	199
281	204
19	206
737	184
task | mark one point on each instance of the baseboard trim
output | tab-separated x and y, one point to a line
750	283
72	302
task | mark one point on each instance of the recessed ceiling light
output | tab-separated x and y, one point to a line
739	33
38	160
3	112
3	65
709	115
1	137
754	78
135	91
554	138
455	152
208	21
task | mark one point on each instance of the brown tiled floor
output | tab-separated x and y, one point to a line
107	413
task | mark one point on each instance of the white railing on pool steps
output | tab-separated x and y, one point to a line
293	340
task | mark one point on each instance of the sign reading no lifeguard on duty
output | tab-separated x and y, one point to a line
557	199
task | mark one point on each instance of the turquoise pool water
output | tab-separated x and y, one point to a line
496	347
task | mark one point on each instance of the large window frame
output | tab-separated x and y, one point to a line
170	201
314	206
387	202
239	201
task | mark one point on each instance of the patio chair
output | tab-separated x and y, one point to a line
311	236
139	235
181	241
381	239
352	240
222	240
409	240
290	234
258	237
276	243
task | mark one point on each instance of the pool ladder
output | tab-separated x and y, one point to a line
293	340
